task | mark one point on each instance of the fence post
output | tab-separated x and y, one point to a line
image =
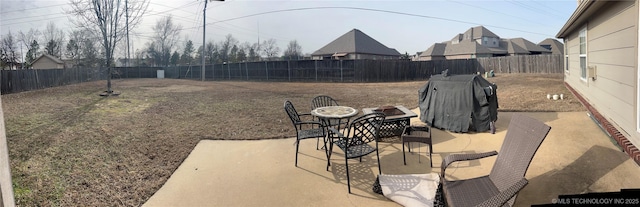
266	69
229	70
315	62
289	69
341	77
246	68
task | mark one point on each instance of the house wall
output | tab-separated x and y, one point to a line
612	47
489	41
465	56
427	58
46	63
352	56
373	57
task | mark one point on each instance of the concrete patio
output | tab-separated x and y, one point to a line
576	157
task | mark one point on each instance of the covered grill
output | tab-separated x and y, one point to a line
459	103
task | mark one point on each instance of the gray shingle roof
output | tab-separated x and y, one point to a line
528	45
479	32
468	46
435	50
356	41
556	46
512	48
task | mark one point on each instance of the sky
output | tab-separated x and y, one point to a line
407	26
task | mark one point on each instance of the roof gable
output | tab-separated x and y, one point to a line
50	57
479	32
356	41
557	47
528	45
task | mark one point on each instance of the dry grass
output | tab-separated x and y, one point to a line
70	147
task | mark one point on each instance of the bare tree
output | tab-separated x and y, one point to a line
211	52
74	47
225	47
54	38
254	54
270	49
28	39
32	53
109	19
187	53
165	39
8	56
293	51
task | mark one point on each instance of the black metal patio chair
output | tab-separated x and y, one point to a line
322	101
317	131
360	140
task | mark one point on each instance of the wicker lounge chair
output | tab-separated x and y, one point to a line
316	131
356	143
506	179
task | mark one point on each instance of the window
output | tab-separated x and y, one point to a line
566	57
583	53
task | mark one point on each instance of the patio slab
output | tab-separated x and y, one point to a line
576	157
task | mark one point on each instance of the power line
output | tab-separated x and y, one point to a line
372	10
498	12
531	8
31	9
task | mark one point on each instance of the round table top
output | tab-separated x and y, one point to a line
337	112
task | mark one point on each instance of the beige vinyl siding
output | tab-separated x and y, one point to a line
612	36
46	63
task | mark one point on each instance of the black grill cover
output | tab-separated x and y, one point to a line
458	102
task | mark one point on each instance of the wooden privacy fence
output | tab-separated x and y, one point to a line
324	70
13	81
299	70
522	64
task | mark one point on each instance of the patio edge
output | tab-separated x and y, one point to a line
627	146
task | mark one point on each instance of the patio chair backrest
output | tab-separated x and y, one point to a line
365	129
523	139
322	100
291	111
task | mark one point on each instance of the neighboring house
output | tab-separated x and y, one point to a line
556	47
479	42
602	66
124	62
355	45
46	61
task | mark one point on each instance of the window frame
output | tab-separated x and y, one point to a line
582	38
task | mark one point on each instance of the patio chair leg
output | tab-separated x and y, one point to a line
297	146
379	169
346	164
431	152
404	156
317	142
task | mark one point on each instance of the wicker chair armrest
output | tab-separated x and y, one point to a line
304	114
504	196
462	157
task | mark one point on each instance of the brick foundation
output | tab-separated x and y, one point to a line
626	145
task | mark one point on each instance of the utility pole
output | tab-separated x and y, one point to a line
204	30
126	5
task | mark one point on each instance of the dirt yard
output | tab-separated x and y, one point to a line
70	147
